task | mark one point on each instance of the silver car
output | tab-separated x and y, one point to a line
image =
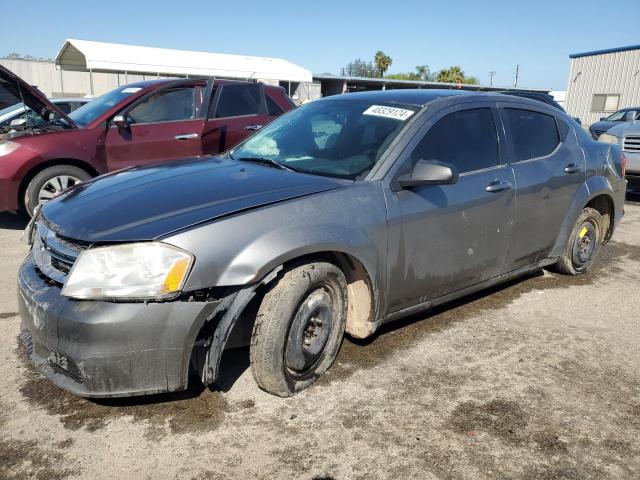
627	136
341	215
19	111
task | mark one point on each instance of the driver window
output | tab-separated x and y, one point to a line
467	139
167	106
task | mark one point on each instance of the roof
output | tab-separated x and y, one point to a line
602	52
406	97
419	83
83	55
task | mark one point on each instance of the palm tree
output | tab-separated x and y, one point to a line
451	75
424	72
382	61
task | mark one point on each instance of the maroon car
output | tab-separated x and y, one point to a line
136	124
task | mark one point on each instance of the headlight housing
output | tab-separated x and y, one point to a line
134	271
608	138
7	147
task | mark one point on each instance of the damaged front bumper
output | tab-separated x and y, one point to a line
107	349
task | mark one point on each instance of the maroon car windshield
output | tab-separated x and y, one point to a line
92	110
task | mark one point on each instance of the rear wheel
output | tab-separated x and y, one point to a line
299	328
50	183
583	245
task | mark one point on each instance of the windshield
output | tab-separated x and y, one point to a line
92	110
622	115
335	138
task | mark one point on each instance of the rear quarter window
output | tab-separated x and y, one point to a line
533	134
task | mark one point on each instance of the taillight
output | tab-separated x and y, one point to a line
623	163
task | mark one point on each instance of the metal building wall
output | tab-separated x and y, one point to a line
56	83
608	73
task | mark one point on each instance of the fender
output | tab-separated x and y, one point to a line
594	186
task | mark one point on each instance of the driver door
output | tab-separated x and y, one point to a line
165	125
444	238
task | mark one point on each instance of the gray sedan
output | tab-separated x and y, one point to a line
342	215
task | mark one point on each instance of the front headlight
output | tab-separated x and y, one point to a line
136	271
7	147
608	138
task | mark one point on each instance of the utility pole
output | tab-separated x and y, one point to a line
515	80
491	75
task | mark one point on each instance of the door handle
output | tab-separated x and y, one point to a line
186	136
497	186
573	168
251	128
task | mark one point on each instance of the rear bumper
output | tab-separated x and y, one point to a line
106	349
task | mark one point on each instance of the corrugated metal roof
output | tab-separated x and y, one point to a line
602	52
420	83
84	55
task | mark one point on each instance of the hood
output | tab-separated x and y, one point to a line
627	128
14	90
154	201
603	125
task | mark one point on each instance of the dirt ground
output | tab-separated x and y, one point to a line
537	379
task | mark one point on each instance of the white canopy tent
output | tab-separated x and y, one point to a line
83	55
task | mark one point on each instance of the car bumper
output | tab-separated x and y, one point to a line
107	349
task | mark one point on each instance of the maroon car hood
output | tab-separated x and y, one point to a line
12	87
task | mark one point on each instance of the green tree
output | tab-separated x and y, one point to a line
424	73
382	61
360	68
455	74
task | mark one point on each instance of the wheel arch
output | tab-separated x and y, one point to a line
24	183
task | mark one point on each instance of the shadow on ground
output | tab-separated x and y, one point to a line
11	221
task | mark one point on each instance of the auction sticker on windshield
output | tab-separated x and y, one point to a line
388	112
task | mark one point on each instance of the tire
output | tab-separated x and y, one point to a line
51	182
299	328
584	243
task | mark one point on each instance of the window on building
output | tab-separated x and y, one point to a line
605	102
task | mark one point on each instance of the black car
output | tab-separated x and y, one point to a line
540	97
621	116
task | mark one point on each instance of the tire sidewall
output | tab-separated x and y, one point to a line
593	216
38	181
304	280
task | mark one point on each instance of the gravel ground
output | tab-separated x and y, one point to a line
536	379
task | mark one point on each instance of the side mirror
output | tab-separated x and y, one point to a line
18	124
602	119
121	121
429	172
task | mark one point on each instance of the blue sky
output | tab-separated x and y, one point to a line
480	36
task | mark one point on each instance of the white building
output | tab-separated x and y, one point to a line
603	81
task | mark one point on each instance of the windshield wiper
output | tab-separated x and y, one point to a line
265	161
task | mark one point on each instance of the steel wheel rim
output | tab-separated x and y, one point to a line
584	244
55	186
310	332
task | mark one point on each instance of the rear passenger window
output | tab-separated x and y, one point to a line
533	134
238	100
466	139
272	107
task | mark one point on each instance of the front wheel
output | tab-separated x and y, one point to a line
583	245
299	328
50	183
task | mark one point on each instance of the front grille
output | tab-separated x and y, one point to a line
631	144
54	255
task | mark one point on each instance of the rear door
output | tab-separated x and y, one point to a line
237	110
164	125
549	168
443	238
